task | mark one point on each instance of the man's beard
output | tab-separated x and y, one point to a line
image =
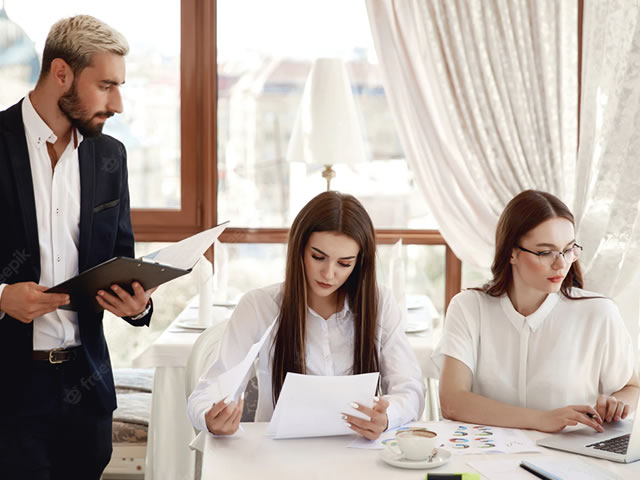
71	105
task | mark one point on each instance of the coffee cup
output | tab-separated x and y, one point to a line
416	443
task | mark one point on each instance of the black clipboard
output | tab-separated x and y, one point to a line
122	271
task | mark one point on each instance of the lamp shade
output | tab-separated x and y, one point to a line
326	130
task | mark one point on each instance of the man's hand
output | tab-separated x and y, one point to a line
122	304
370	429
25	301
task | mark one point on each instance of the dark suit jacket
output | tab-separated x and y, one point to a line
105	232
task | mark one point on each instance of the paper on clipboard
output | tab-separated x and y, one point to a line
311	405
185	254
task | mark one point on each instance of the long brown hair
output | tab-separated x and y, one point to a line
523	213
328	212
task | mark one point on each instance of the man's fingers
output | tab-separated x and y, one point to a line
109	307
110	299
138	291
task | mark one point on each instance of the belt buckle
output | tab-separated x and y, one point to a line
52	353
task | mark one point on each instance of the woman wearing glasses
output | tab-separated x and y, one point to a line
531	349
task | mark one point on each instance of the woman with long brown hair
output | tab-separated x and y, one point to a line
532	349
332	319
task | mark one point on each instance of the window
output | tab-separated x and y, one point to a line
150	124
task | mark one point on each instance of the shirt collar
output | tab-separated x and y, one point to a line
38	130
346	308
535	320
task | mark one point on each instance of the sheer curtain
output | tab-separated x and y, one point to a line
484	95
608	168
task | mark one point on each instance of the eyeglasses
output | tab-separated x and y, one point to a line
549	257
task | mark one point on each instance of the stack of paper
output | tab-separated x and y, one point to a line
311	405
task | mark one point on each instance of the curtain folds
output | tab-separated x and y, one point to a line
608	165
484	96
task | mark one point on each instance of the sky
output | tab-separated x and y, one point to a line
288	28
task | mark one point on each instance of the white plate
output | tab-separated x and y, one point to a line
392	458
191	324
416	327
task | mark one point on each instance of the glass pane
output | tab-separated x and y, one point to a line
261	76
150	124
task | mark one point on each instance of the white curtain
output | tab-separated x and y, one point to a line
484	97
608	167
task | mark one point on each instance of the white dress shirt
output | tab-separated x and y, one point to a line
566	353
57	201
329	345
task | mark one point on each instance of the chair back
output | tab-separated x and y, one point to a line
203	354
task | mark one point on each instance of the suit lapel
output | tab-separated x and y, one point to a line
86	157
19	157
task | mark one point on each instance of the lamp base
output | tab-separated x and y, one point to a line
328	173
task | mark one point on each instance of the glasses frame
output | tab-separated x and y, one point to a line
538	254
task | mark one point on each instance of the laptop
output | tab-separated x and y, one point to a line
620	441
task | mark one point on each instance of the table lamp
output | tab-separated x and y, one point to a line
326	130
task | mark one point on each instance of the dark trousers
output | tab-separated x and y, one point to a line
59	432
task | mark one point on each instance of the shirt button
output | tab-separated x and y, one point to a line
58	259
57	211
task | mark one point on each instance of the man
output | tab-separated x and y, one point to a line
65	208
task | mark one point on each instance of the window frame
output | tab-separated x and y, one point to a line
198	165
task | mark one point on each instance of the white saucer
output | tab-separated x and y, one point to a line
416	327
191	324
392	458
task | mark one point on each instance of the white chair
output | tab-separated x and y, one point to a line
203	354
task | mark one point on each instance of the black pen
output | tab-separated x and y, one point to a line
538	472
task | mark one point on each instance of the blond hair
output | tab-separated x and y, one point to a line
76	39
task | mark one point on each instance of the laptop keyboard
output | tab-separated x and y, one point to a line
615	444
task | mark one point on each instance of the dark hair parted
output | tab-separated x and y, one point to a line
522	214
328	212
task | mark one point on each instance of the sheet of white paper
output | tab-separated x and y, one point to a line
565	468
228	383
185	254
469	438
311	405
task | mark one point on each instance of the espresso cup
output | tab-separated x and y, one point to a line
416	443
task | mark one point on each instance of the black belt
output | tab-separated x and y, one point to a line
57	355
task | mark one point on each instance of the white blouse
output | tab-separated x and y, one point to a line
329	345
565	353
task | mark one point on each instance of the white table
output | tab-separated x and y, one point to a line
251	454
170	432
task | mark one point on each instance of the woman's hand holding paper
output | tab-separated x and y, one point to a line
223	418
373	428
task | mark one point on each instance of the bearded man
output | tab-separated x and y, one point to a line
65	209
